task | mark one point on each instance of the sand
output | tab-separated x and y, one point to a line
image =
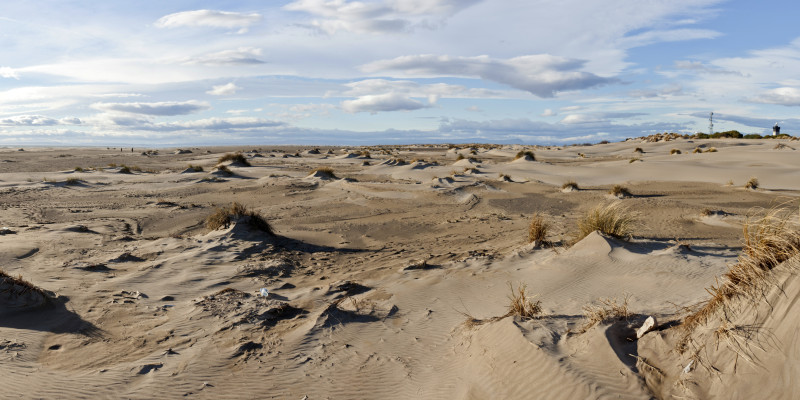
390	279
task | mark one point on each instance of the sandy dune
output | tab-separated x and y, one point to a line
390	279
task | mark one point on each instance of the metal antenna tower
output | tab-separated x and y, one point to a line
711	124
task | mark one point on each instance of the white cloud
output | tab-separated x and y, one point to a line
381	102
414	89
542	75
698	66
378	16
224	90
474	109
168	108
240	56
786	96
38	120
595	118
209	18
7	72
216	124
548	113
669	90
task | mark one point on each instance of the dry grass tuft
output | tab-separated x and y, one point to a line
751	184
605	310
675	151
697	150
570	185
326	172
124	169
612	219
195	168
237	158
522	304
711	150
222	218
537	230
770	240
18	286
225	169
619	191
78	169
527	154
638	150
73	181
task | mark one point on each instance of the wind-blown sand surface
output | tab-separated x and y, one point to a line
390	279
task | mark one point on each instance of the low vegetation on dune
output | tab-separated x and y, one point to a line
224	169
697	150
237	158
605	310
16	286
195	168
638	150
73	181
522	304
771	239
751	184
675	151
612	219
325	172
223	217
525	154
537	229
570	185
619	191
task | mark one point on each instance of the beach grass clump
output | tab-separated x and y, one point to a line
525	154
73	181
638	150
195	168
124	169
224	169
605	310
675	151
460	157
17	286
78	169
223	217
324	172
619	191
537	229
751	184
522	304
612	219
237	158
711	150
697	150
570	185
771	238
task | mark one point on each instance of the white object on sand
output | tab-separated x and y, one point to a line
264	292
647	326
688	367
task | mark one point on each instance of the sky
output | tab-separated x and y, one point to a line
342	72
